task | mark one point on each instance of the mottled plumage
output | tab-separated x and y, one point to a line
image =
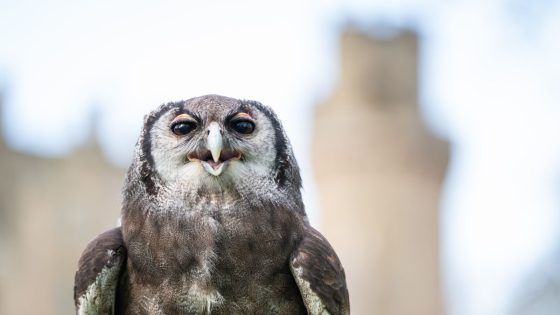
212	223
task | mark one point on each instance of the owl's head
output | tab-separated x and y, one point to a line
213	143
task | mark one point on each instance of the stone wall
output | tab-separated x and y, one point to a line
49	210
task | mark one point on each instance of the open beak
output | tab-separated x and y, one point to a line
214	157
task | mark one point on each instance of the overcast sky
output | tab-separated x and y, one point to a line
489	83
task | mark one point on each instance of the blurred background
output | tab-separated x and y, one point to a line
427	133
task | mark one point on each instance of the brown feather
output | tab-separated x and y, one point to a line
100	253
322	269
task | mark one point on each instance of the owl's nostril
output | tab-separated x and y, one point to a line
221	132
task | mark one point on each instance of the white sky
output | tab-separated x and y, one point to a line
490	76
493	76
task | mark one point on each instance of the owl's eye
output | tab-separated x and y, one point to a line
182	128
243	126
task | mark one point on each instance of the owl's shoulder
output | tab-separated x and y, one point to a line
320	275
99	269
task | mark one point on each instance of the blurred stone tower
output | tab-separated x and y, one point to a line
379	173
49	209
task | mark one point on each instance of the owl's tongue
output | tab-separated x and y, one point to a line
225	155
213	164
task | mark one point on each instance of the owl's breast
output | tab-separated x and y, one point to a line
232	254
252	254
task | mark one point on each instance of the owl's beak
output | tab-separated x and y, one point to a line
214	141
215	158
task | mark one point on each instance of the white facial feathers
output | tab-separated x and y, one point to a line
212	155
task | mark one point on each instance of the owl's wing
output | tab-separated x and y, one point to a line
319	276
99	270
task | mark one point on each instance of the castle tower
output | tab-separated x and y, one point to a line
379	173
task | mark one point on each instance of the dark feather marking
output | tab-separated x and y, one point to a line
95	257
147	169
283	160
322	269
122	292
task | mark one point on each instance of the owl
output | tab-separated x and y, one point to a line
212	222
